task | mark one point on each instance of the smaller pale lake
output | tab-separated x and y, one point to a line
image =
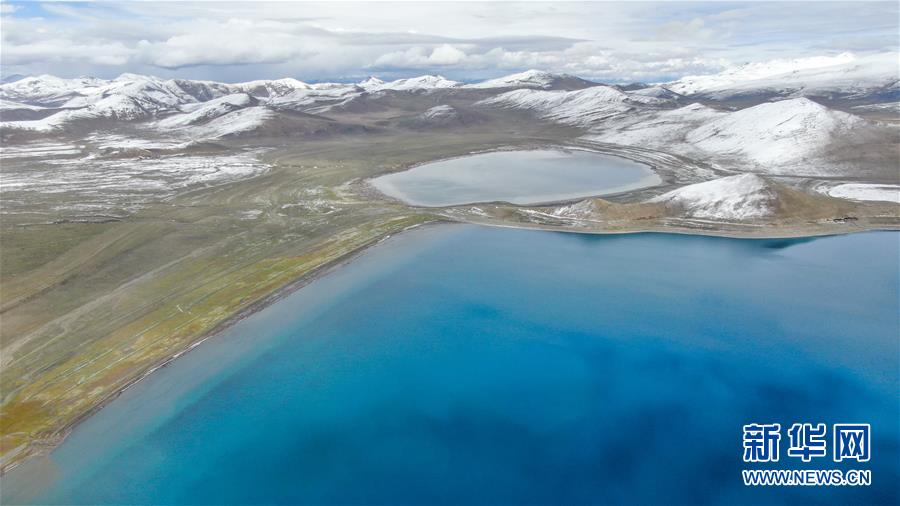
518	177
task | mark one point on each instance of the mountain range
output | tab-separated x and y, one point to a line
49	104
818	117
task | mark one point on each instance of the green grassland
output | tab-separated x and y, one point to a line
88	308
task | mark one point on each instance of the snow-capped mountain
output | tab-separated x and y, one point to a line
128	97
315	100
234	123
143	95
46	90
732	198
209	110
536	79
428	82
132	97
767	137
659	128
581	108
844	75
790	136
775	134
270	88
657	91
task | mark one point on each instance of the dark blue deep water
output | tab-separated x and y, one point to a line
468	365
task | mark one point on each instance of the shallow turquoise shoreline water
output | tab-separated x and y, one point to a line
471	365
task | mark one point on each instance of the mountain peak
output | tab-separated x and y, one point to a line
371	81
424	82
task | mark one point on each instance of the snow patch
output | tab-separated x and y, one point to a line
440	112
740	197
430	82
205	111
528	79
580	108
843	73
864	191
661	129
240	121
775	133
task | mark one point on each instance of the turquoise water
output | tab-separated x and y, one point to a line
519	177
469	365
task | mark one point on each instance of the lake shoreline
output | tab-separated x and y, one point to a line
519	176
389	258
52	441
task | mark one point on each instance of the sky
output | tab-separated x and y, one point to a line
466	41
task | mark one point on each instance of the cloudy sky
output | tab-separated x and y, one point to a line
605	41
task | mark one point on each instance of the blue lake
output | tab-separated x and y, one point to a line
470	365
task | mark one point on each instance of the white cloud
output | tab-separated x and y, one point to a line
233	42
314	41
696	29
8	8
446	55
421	57
65	50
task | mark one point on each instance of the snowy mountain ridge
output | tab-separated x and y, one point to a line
787	136
774	133
844	73
427	82
580	108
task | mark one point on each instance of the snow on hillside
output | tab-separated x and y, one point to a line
240	121
787	137
844	74
8	105
89	186
270	88
774	134
315	100
132	97
205	111
40	150
740	197
662	129
411	84
128	97
114	107
151	94
440	112
203	91
46	90
528	79
581	107
864	191
656	92
371	83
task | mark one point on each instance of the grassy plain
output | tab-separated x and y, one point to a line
87	308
